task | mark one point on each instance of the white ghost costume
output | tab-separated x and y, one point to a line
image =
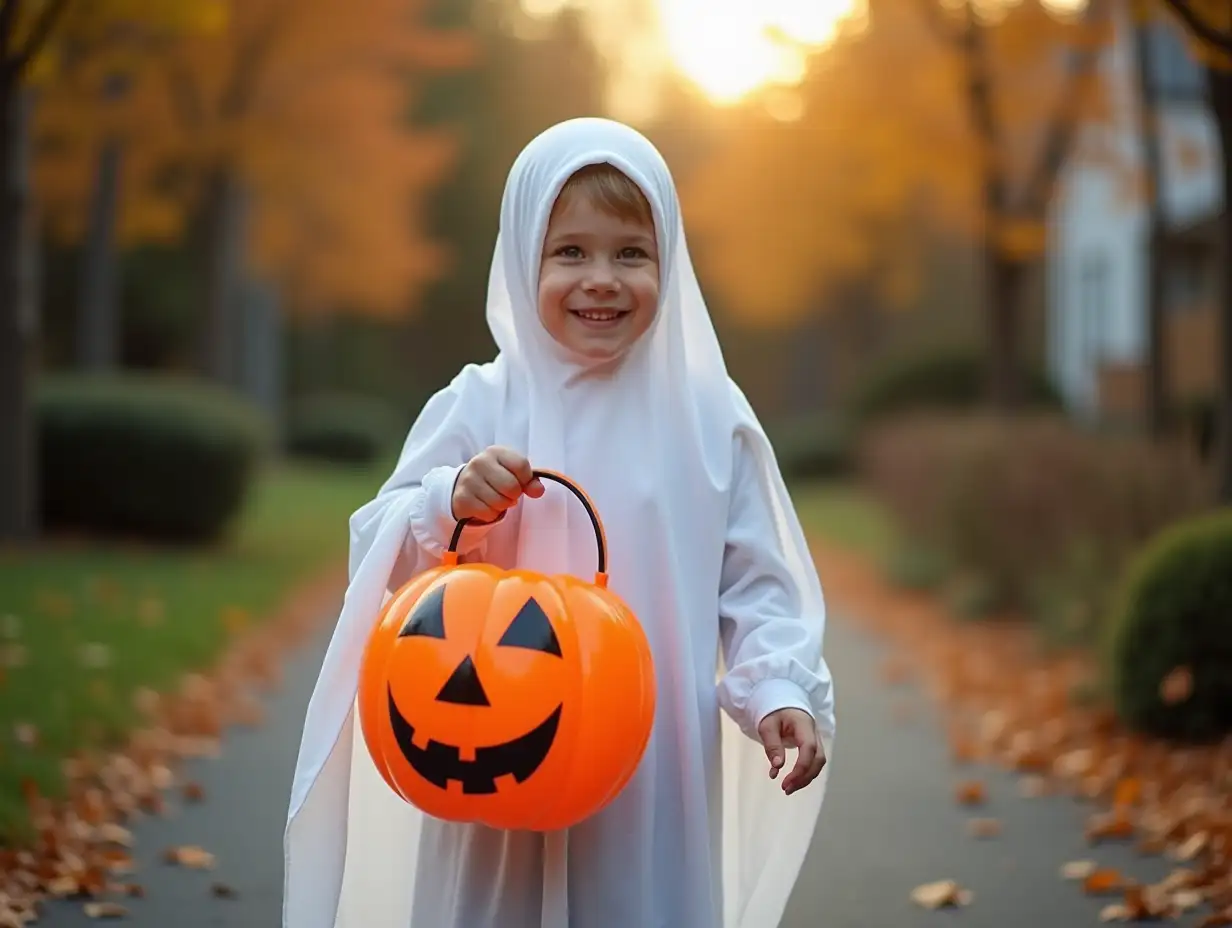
704	546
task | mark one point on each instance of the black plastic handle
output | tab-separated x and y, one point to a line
600	535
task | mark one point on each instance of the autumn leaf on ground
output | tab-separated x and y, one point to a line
971	793
1109	827
1177	686
1078	869
105	910
1102	881
941	894
223	891
1191	847
190	856
193	792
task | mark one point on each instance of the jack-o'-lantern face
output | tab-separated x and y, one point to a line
473	730
507	697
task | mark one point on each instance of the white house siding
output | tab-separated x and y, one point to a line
1097	250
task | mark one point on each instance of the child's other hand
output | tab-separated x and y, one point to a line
491	482
792	728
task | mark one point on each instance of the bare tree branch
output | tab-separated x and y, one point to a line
1203	30
40	32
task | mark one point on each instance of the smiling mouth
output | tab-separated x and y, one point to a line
439	763
599	315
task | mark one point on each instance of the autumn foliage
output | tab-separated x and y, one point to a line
301	109
889	137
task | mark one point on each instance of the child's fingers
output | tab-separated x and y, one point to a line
534	489
505	484
804	762
772	740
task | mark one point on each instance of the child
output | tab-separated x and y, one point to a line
610	372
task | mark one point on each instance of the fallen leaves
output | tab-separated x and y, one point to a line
190	856
83	845
1006	703
971	793
941	894
105	910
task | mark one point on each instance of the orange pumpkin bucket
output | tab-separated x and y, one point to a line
507	697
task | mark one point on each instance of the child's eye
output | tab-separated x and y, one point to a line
568	251
633	253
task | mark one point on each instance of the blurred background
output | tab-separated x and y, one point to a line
970	259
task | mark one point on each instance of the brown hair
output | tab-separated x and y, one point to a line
609	190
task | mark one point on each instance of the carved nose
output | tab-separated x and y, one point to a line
463	687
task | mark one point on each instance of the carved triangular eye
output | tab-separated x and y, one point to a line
531	629
428	616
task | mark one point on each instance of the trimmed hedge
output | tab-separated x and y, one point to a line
1039	512
145	456
809	447
940	379
1173	615
344	428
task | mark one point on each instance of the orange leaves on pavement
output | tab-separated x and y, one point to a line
971	793
1008	704
83	844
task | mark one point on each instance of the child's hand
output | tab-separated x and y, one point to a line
491	482
792	728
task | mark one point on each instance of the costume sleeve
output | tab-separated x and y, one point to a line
451	428
771	616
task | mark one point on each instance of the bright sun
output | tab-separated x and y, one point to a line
730	48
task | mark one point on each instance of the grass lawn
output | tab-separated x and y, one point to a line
83	626
844	515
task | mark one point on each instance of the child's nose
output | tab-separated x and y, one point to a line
601	277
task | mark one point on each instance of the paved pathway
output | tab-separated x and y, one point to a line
889	823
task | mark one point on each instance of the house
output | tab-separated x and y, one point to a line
1098	239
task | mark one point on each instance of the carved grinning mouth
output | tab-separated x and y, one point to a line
439	763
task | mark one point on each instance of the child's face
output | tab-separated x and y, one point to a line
599	280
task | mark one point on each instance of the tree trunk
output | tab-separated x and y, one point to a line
261	350
223	237
1002	276
1221	105
98	322
18	320
1004	294
1156	380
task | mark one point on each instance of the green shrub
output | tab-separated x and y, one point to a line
1174	613
343	429
144	456
809	447
1020	503
941	379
